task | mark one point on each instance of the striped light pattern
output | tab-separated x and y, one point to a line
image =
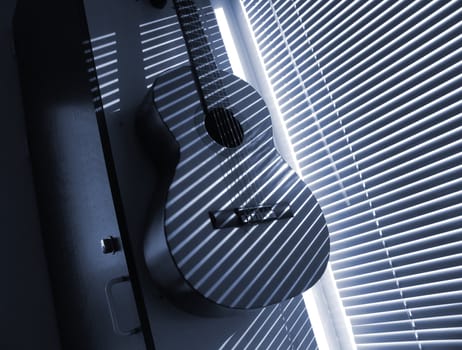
281	326
242	266
371	93
246	266
163	47
104	71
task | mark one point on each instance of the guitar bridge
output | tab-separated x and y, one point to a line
250	216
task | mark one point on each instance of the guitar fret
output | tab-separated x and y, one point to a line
205	69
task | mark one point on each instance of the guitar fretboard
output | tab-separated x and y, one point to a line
204	67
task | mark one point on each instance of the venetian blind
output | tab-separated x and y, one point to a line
371	94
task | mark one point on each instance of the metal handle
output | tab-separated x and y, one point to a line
110	301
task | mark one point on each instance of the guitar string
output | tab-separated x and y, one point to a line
236	131
218	92
196	28
183	14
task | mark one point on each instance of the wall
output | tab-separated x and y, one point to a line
26	311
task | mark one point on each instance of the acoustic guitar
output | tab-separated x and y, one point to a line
231	223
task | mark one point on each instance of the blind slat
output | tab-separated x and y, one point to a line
370	93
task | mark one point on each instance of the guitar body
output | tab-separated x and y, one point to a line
232	224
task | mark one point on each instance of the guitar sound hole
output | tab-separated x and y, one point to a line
223	128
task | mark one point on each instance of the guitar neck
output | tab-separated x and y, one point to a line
205	70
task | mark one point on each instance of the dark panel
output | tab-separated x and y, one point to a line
73	193
27	315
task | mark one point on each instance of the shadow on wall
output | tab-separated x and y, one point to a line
27	318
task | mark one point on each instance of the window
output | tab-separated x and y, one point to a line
371	96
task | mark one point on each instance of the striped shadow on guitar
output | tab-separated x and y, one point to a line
232	223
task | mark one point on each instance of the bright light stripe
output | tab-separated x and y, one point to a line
109	83
164	52
228	40
110	93
104	64
402	235
452	329
104	75
103	55
384	283
433	308
98	38
405	164
428	281
357	318
401	344
174	32
405	322
343	262
156	74
436	198
156	22
165	43
389	334
439	225
370	276
345	268
164	61
103	46
176	113
440	248
446	210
